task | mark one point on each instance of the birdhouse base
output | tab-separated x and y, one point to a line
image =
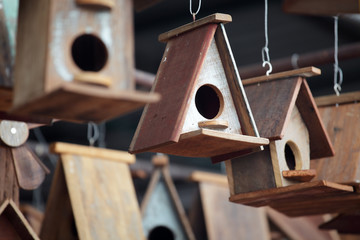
82	103
303	199
210	143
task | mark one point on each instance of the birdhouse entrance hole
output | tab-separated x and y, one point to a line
89	53
292	156
209	101
161	232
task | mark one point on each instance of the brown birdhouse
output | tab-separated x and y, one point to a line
203	111
75	60
163	215
13	225
92	196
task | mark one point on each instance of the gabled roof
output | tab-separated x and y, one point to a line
162	184
10	215
272	103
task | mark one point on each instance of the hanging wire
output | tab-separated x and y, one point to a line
265	50
294	60
197	11
92	133
337	70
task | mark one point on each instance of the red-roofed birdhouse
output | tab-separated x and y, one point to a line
203	111
74	60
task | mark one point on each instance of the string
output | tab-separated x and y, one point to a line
337	70
197	11
92	133
265	50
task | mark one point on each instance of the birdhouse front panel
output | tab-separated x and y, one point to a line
211	104
292	152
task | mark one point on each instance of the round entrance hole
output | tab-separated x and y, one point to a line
290	157
89	53
161	232
209	101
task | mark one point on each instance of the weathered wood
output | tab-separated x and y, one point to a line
342	124
300	175
321	7
162	208
344	223
13	225
302	72
344	98
214	18
97	3
92	152
9	187
13	133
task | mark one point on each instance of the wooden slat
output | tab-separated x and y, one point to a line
301	72
272	103
9	187
179	68
106	154
321	7
300	175
329	100
97	3
344	223
205	143
214	18
320	144
198	176
342	124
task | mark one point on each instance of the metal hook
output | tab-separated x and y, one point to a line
197	11
270	67
92	133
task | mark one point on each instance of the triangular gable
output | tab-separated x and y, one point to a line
162	207
272	103
13	224
94	187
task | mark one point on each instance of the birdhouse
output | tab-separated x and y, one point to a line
162	213
203	111
84	60
13	224
92	196
228	220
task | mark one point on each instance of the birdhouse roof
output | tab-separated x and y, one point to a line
15	218
272	103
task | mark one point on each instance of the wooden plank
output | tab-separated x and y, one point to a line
209	143
344	98
299	192
102	197
343	223
93	152
301	72
199	176
272	103
320	144
301	228
97	3
214	18
300	175
179	68
321	7
230	220
342	124
81	103
9	187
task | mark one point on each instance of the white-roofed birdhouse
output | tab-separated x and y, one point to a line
203	111
74	60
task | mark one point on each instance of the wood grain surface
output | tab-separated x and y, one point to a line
9	187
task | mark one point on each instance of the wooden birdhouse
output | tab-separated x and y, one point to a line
92	196
203	111
74	60
162	213
13	225
213	217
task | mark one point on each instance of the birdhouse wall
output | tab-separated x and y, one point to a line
292	152
211	98
9	187
59	40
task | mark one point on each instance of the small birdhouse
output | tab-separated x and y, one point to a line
74	60
203	111
92	196
162	213
213	217
13	225
286	114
